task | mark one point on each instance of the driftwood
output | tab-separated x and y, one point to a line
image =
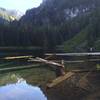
82	71
59	79
17	57
69	61
59	68
37	59
74	54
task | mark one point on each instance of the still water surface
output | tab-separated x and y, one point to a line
21	91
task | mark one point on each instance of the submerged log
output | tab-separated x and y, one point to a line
19	67
59	79
83	71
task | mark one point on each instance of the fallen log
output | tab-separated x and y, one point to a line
74	54
59	68
19	67
17	57
37	59
59	79
82	71
68	61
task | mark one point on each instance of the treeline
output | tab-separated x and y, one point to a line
47	37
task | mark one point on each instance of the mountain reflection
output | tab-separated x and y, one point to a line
21	91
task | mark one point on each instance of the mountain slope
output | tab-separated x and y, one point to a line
60	20
75	42
54	12
72	23
87	38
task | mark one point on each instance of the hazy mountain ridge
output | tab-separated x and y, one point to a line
7	16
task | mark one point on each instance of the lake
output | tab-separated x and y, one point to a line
21	91
29	84
23	84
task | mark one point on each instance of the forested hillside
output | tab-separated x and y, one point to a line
71	25
88	37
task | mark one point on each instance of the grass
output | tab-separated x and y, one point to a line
79	41
75	41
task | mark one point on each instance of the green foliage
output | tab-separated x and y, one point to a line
71	44
97	45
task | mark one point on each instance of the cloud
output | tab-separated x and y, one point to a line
21	5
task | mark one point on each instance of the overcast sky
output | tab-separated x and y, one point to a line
21	5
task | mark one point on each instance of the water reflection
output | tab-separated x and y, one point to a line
21	91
